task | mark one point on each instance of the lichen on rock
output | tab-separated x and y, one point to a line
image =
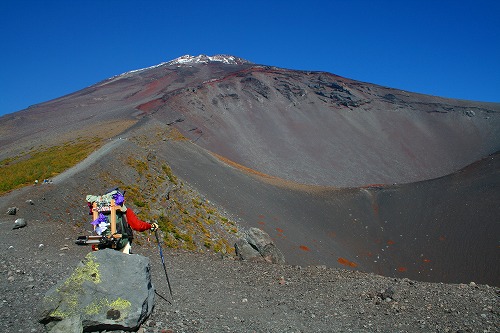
98	292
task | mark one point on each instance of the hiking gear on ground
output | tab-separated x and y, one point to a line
154	226
163	261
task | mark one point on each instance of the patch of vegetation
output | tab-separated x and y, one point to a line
174	237
187	221
136	196
168	172
139	165
175	135
43	163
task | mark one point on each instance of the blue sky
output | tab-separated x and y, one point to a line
446	48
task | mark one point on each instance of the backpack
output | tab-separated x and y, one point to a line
102	223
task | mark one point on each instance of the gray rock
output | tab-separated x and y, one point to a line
108	290
19	223
258	238
70	325
387	294
12	210
257	245
272	254
245	251
470	113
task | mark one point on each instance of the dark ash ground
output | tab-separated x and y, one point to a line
216	294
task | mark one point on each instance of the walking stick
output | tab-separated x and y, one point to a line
163	262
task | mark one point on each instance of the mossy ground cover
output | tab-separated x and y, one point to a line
43	163
187	220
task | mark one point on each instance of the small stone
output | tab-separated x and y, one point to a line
470	113
19	223
12	210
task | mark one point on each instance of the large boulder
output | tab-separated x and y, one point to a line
257	245
108	290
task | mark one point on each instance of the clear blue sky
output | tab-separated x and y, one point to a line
446	48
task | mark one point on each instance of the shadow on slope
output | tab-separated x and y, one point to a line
441	230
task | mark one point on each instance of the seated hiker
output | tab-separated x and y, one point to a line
126	220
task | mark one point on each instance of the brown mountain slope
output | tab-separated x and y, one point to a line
311	133
310	127
318	128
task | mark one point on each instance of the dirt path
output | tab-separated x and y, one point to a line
91	159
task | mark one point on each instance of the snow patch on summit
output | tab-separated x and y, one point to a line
185	60
204	59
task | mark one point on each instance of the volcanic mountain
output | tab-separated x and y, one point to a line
339	172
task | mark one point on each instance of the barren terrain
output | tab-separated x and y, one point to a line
368	191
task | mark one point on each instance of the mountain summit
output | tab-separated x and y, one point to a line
204	59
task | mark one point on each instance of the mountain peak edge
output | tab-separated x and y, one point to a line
202	58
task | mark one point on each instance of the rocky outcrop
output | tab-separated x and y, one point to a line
109	290
257	245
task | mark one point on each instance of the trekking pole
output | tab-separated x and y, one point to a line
163	262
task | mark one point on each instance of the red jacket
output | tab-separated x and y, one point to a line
135	223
